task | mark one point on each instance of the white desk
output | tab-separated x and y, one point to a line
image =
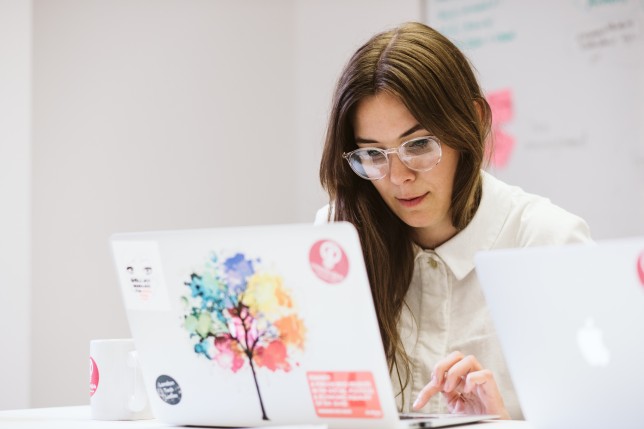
65	417
79	417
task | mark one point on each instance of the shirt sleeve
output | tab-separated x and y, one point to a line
543	223
322	215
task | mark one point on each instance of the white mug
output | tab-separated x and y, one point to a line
116	385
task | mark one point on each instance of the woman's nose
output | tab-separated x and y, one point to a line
398	172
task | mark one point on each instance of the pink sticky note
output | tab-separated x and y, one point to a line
502	149
502	106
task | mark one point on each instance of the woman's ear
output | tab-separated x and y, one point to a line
480	111
483	114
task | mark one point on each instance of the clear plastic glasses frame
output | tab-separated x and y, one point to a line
418	154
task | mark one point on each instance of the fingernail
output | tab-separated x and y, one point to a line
415	404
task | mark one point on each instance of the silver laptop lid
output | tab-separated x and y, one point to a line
571	323
256	325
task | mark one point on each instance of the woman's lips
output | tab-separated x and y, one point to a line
411	202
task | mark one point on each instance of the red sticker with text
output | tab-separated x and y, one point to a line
640	268
328	261
349	395
93	377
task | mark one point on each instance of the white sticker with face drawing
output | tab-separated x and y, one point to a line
140	275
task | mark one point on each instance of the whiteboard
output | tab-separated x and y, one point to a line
565	79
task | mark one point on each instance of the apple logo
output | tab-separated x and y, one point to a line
591	344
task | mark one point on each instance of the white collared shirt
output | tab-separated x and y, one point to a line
445	308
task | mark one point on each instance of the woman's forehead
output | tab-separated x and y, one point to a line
382	114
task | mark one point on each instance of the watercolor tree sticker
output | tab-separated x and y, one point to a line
238	313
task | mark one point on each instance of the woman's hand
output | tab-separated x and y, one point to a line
468	387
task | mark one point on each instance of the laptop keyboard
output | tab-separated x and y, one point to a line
410	416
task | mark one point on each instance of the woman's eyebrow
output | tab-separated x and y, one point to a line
410	131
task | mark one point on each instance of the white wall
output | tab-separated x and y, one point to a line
143	113
15	168
147	115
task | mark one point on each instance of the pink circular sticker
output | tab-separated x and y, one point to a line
640	267
93	377
328	261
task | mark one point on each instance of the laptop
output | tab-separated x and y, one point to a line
260	325
571	324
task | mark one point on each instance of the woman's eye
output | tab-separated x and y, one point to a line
419	144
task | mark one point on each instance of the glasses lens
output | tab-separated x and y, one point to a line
420	154
369	164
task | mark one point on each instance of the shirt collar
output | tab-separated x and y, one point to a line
482	231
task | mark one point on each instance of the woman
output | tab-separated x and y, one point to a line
402	162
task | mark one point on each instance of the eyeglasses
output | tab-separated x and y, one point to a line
419	154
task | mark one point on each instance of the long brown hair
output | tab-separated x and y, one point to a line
437	85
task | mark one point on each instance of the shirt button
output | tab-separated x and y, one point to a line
433	263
